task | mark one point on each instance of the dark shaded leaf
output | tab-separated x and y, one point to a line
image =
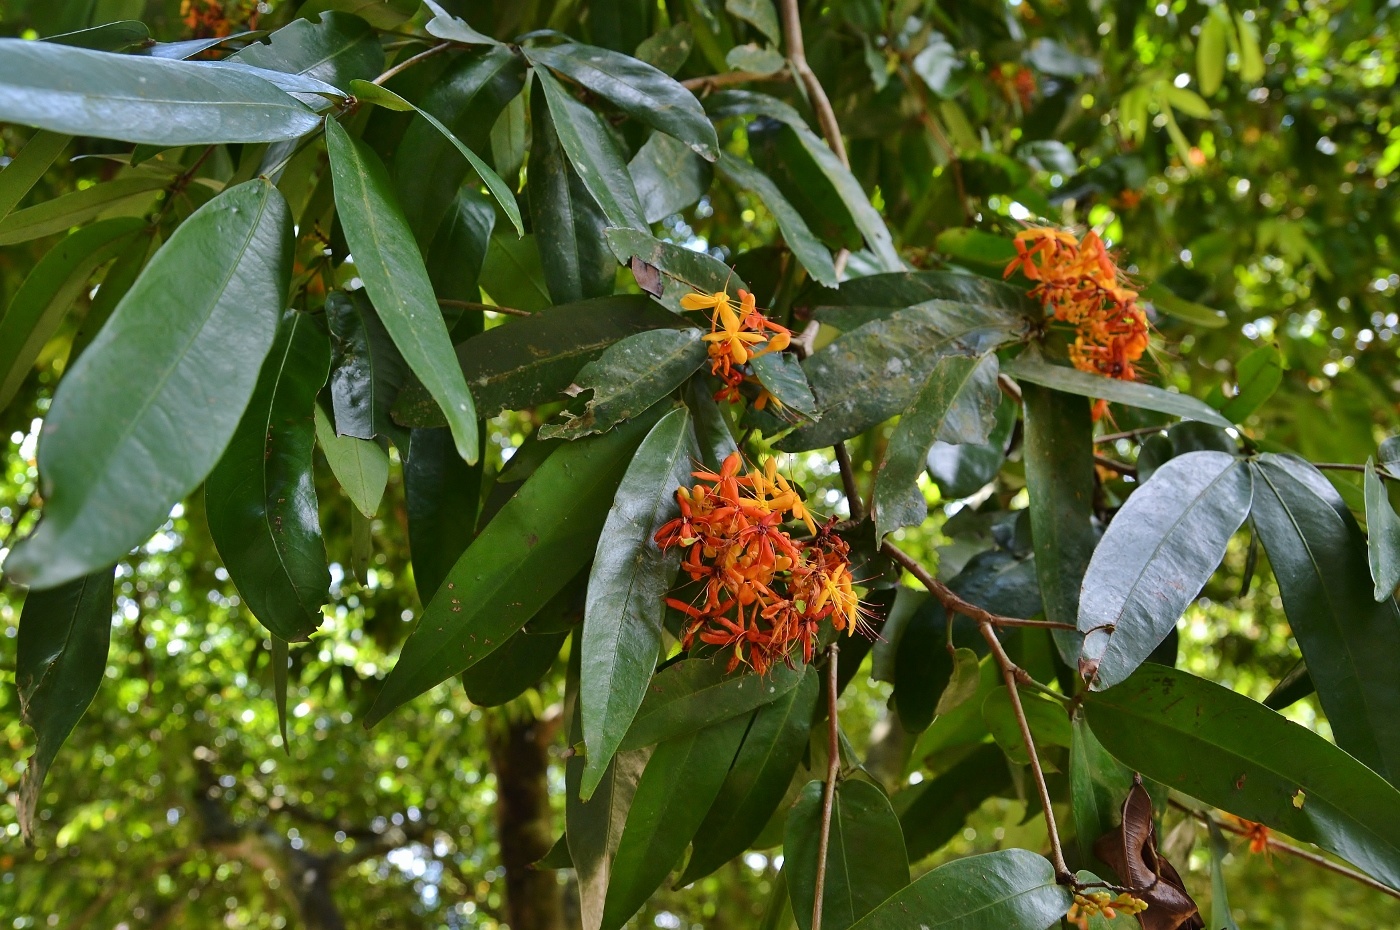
695	693
511	670
922	666
667	50
441	495
381	14
805	246
368	371
1382	533
26	168
669	177
108	37
943	805
861	300
260	498
513	275
338	49
1030	367
1097	786
444	25
1010	888
140	419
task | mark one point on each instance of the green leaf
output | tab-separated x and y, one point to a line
511	670
781	375
1220	916
636	88
1382	535
594	828
1010	888
667	50
534	359
711	426
963	725
543	535
63	638
758	13
360	466
108	37
1257	376
806	247
866	217
141	99
923	667
695	693
373	93
967	675
139	420
64	212
1162	298
1211	47
512	273
1097	786
975	247
1351	643
668	176
962	469
594	155
368	372
49	289
756	59
1030	367
629	377
568	223
875	371
957	403
865	859
441	494
279	661
26	168
338	49
397	281
1220	747
758	780
1059	460
1047	717
444	25
261	499
861	300
1157	554
622	623
685	270
940	810
381	14
677	788
1251	57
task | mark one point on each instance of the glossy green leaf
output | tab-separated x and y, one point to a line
861	300
64	212
594	155
758	780
622	623
25	169
975	247
444	25
141	99
1097	786
360	466
1059	461
260	498
381	14
962	469
1382	534
941	809
567	221
513	669
141	418
923	667
781	375
368	372
807	248
866	217
594	828
441	494
1220	915
50	288
543	535
1258	376
875	371
512	273
963	725
1006	889
1220	747
338	49
629	377
865	859
1047	717
393	271
1157	554
636	88
694	693
64	633
1165	300
533	360
1032	368
956	403
668	176
374	93
1351	643
677	788
684	271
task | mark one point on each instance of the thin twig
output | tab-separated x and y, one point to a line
951	601
473	305
1122	468
1129	434
1347	466
1010	388
797	57
411	61
833	770
711	81
848	481
1292	850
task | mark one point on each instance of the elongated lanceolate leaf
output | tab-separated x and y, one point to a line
143	415
69	210
1036	370
392	268
694	693
1350	642
861	300
26	168
942	807
1218	746
957	403
1157	554
638	89
1382	529
510	671
668	176
865	858
360	466
622	631
629	377
338	49
49	289
368	372
1097	785
64	633
529	550
806	246
441	497
141	99
1013	888
261	499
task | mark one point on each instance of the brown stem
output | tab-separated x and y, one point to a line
833	770
848	481
951	600
797	57
711	81
1122	468
1292	850
473	305
1129	434
1347	466
412	60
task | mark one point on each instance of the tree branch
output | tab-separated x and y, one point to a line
411	61
711	81
474	305
848	481
797	57
833	771
1347	466
951	601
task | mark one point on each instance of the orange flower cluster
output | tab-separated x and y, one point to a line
207	19
734	340
766	594
1256	833
1079	283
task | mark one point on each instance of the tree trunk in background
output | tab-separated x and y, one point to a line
524	827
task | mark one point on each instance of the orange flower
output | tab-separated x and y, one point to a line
735	339
1256	833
